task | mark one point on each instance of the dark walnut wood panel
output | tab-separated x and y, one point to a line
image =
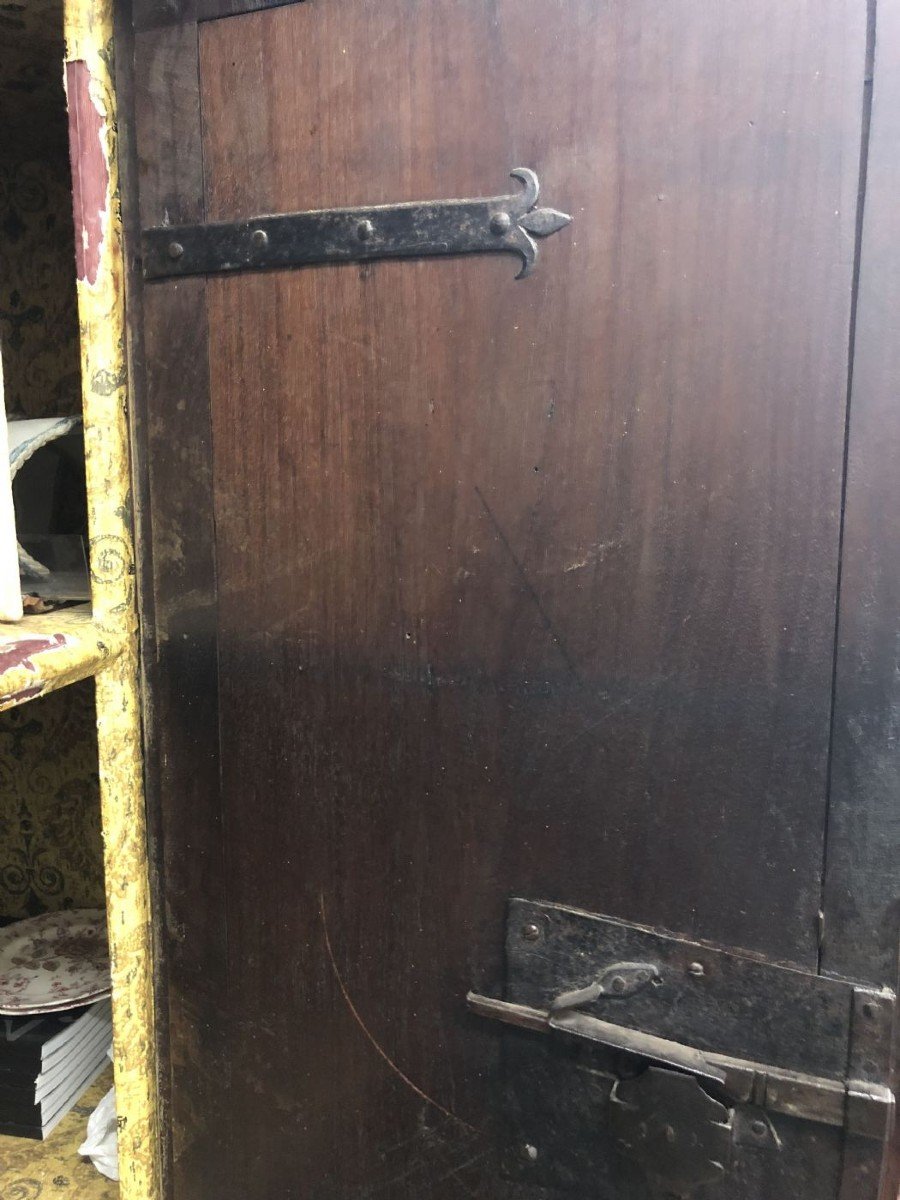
523	588
168	147
162	14
169	355
182	694
862	897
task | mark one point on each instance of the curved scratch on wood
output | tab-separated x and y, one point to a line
370	1037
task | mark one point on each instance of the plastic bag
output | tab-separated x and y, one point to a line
100	1144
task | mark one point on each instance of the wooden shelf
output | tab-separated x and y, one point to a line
53	1169
40	653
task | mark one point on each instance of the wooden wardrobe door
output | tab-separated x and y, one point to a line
459	588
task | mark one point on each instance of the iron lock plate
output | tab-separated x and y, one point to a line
673	1066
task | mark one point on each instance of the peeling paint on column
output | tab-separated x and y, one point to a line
101	310
90	171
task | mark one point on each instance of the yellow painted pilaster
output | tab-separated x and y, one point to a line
89	27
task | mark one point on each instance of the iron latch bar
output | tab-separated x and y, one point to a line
863	1108
497	224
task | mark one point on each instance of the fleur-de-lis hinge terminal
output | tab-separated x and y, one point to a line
519	219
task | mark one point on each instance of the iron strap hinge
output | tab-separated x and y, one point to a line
497	224
864	1109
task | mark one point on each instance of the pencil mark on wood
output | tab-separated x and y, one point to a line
528	585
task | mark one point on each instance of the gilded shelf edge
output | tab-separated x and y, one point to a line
98	231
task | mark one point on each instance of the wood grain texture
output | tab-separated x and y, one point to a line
160	14
149	15
209	10
862	895
183	700
178	582
621	478
167	143
522	588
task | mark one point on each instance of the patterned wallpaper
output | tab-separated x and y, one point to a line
38	314
50	845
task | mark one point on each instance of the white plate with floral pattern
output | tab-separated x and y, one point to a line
54	962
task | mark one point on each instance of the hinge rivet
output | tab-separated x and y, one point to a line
531	932
758	1129
697	969
501	223
531	1153
259	239
364	230
617	983
175	250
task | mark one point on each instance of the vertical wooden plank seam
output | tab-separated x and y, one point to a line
868	86
145	599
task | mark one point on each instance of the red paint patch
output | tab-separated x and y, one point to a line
90	174
29	693
14	655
